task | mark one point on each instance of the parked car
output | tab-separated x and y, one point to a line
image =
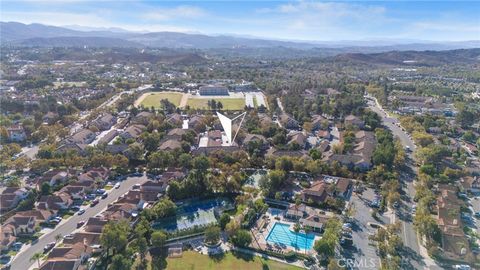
462	267
80	224
344	241
68	236
48	247
117	186
4	259
81	212
101	191
94	202
105	195
136	186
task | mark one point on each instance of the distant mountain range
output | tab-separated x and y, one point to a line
19	34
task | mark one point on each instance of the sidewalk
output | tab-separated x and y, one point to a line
297	263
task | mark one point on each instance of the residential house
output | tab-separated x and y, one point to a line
177	133
259	141
7	236
151	186
133	132
104	121
142	118
95	224
53	177
67	145
470	183
170	145
352	120
288	122
84	136
50	118
197	123
11	197
16	133
57	201
319	123
175	120
298	141
454	243
317	193
21	225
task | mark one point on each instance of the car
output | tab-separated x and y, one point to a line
374	225
101	191
462	267
477	214
68	236
136	186
396	204
117	186
48	247
81	211
17	245
75	208
94	202
346	225
344	241
4	259
80	224
105	195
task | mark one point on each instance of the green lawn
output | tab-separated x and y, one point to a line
234	104
153	99
195	261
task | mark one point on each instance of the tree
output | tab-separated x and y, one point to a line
36	257
58	237
232	227
114	236
45	189
141	246
159	239
164	208
241	238
224	219
120	262
212	235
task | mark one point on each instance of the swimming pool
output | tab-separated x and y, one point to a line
281	234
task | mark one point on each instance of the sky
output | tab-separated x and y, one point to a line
287	20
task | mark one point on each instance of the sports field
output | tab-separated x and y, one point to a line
194	260
228	103
153	99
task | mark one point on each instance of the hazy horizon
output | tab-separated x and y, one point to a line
311	21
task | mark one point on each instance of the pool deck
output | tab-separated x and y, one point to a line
262	229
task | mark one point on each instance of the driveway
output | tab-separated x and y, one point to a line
22	259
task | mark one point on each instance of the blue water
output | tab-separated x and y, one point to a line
281	234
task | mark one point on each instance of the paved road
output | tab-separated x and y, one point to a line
413	258
22	260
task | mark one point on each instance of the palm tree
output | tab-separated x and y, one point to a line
296	228
36	257
58	237
307	230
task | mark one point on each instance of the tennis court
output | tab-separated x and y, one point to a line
191	214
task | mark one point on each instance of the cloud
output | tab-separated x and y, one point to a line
180	12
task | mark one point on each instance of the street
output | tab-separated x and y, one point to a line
414	257
22	259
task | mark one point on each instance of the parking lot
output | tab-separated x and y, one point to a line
363	253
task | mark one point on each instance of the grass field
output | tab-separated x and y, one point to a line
228	103
153	99
196	261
